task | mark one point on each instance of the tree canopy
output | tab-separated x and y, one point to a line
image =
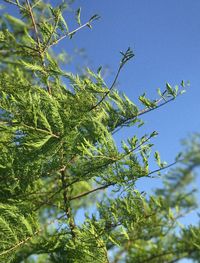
68	190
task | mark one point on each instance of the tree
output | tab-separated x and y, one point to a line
58	157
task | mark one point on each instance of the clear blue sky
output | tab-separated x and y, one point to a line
165	37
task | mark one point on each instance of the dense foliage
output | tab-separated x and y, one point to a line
67	190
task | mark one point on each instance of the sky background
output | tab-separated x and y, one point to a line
165	38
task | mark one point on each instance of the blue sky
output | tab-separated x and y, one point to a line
165	37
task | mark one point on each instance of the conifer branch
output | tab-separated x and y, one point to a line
30	237
67	205
56	193
146	110
17	245
39	130
70	147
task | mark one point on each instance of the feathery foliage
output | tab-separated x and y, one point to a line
59	160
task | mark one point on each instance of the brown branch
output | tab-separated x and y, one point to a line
34	24
158	106
94	190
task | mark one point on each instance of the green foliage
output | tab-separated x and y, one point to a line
68	191
17	227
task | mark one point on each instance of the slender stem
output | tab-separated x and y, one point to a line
34	24
16	246
51	34
34	5
40	130
66	198
106	94
68	34
158	106
162	168
15	3
30	237
125	122
91	191
38	43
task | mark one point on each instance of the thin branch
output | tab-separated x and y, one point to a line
30	237
125	58
34	24
91	191
40	130
158	106
162	168
106	94
67	206
137	147
16	246
15	3
54	194
38	42
30	128
68	34
34	5
51	34
141	112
